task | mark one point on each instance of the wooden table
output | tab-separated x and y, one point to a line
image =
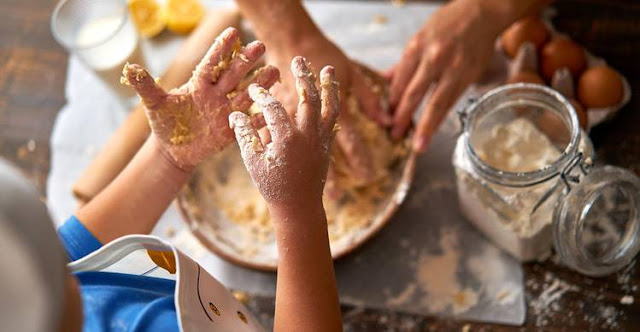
32	76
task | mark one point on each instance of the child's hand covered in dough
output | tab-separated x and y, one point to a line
292	169
190	122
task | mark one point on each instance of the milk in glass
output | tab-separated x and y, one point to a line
105	44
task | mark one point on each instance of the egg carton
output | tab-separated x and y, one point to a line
498	72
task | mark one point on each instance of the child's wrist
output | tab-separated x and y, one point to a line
297	214
168	164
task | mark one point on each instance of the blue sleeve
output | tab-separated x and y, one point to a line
77	239
126	302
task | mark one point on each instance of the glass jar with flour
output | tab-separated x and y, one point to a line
525	180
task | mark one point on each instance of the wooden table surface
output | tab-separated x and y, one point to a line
32	77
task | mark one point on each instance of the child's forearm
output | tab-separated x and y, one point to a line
135	200
306	298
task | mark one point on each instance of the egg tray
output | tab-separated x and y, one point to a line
502	62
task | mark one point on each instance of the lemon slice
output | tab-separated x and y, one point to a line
183	15
147	16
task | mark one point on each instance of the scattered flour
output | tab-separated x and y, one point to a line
547	303
491	273
624	278
627	300
593	306
436	275
438	286
606	317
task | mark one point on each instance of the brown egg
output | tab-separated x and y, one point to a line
599	87
560	53
525	77
583	117
529	29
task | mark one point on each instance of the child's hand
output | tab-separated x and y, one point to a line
190	122
291	170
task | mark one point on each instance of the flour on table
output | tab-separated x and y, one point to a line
547	304
436	282
491	272
436	276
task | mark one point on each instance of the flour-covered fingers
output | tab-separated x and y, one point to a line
264	77
215	61
308	98
330	100
241	62
277	119
151	94
248	140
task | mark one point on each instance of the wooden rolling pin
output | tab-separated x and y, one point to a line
127	140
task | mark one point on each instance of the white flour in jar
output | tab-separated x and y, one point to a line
504	214
517	146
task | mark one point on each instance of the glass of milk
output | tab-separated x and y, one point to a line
102	35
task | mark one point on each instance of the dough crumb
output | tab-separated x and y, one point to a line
241	296
123	79
380	19
626	300
256	144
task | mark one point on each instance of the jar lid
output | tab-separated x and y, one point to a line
597	224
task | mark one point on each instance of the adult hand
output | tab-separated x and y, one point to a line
352	78
449	52
291	170
190	122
